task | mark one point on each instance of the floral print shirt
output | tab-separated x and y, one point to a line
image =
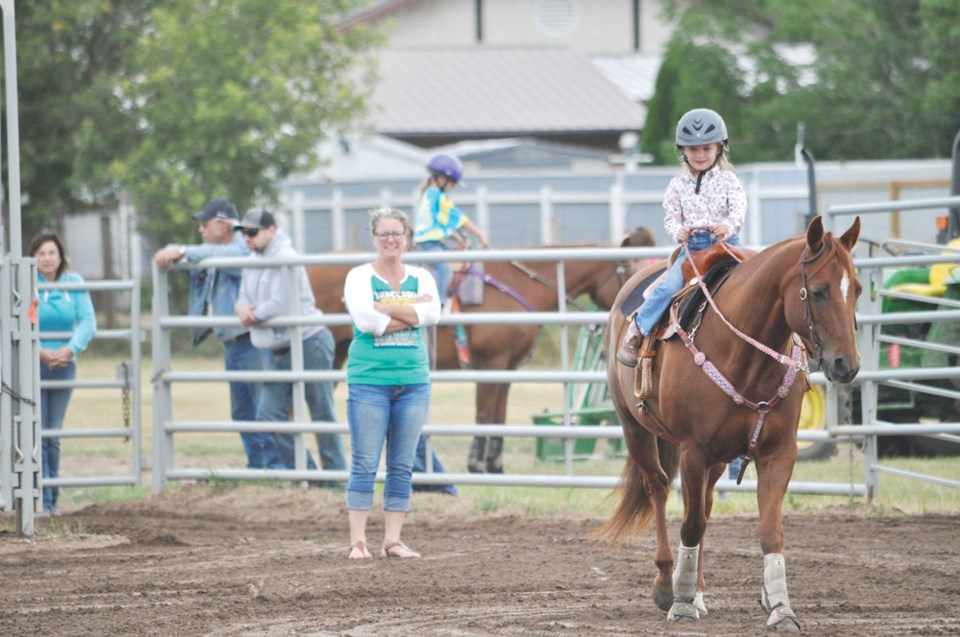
721	200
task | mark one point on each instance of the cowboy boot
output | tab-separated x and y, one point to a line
478	452
495	455
627	354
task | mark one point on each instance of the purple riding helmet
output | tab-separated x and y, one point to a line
447	165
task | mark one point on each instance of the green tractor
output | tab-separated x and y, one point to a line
899	404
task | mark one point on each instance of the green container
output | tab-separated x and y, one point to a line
583	448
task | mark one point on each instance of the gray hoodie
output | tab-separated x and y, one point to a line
268	290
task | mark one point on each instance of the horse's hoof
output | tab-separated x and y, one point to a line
700	604
683	612
783	620
474	467
663	599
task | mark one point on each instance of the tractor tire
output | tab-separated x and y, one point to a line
813	416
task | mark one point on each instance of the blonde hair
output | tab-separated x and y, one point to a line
426	183
386	212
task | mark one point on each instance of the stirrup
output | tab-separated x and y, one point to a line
643	382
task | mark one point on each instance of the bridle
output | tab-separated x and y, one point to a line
805	298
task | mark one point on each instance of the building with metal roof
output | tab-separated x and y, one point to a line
437	96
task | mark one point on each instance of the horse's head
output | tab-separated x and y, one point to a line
821	302
610	277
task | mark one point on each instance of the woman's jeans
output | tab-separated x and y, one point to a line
377	413
53	408
653	308
276	402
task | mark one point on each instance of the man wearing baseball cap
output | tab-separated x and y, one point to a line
265	294
213	292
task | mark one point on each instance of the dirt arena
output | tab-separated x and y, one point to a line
233	561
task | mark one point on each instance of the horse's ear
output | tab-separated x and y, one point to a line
815	234
849	238
640	237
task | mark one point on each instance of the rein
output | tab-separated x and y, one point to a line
796	362
777	356
500	285
620	271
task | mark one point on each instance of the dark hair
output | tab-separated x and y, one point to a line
40	239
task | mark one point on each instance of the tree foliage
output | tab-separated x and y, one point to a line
882	82
173	102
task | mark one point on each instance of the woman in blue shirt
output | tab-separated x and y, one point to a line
63	311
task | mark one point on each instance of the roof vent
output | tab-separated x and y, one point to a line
555	18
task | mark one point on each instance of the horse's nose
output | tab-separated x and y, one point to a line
842	370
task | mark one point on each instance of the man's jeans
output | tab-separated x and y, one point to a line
653	308
377	413
53	409
261	448
276	402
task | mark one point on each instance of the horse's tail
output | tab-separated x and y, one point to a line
635	508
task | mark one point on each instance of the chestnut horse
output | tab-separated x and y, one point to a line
732	393
496	347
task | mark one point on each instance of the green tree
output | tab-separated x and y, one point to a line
883	82
715	85
172	102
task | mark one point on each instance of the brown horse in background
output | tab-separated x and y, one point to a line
495	347
724	396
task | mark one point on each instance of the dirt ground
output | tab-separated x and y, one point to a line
238	561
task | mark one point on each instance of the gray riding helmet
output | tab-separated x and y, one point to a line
701	126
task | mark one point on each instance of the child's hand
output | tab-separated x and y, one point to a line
683	234
721	231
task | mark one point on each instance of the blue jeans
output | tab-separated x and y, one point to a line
53	408
377	413
276	402
420	466
442	272
260	448
653	308
733	469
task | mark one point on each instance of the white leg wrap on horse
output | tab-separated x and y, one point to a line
685	573
775	598
774	582
685	584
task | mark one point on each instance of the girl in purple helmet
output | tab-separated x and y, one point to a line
438	220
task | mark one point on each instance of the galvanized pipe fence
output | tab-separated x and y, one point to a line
126	382
165	427
872	319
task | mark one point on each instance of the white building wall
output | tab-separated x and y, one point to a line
429	23
595	26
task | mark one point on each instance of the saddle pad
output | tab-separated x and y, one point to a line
635	299
469	284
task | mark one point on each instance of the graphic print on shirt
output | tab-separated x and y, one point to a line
406	295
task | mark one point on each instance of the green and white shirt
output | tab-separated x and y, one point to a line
400	357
